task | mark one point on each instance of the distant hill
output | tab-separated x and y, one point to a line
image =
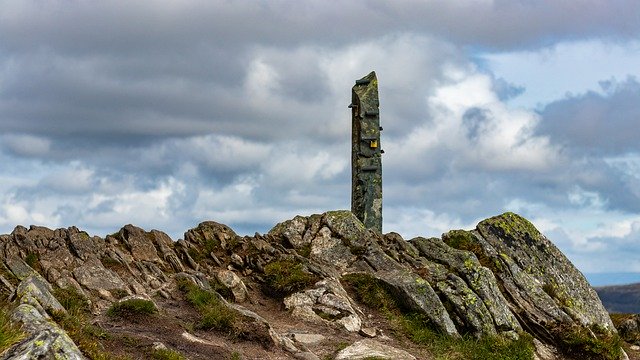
620	298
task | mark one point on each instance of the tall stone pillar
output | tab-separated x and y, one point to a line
366	160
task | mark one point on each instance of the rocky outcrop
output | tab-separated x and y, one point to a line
44	339
503	279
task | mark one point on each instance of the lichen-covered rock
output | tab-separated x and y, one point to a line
503	278
45	340
36	291
479	283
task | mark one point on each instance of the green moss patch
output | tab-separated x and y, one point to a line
513	226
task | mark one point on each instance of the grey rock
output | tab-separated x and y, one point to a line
19	268
45	339
369	348
233	282
94	276
36	291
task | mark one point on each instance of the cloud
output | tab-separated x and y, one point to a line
596	123
25	145
167	114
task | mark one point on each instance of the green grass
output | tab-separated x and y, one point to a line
445	347
167	354
132	307
285	277
10	332
214	314
372	293
74	302
33	261
581	342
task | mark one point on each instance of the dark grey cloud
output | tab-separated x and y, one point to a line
605	123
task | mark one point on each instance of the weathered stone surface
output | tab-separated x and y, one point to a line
233	282
479	284
415	293
138	243
326	302
501	278
543	287
366	154
94	276
308	339
45	340
19	268
369	348
36	291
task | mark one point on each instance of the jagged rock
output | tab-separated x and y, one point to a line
326	302
415	293
544	288
232	282
369	348
138	243
36	291
94	276
19	268
45	339
502	278
479	284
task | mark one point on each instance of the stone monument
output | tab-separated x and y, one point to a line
366	154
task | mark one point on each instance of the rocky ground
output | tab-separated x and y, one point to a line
317	287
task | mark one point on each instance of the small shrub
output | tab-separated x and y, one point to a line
33	261
284	277
10	333
73	301
371	292
167	354
214	314
132	307
235	356
595	343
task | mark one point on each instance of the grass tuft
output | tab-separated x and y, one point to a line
73	301
285	277
214	314
10	333
167	354
594	343
132	307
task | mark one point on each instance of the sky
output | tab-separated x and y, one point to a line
165	114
